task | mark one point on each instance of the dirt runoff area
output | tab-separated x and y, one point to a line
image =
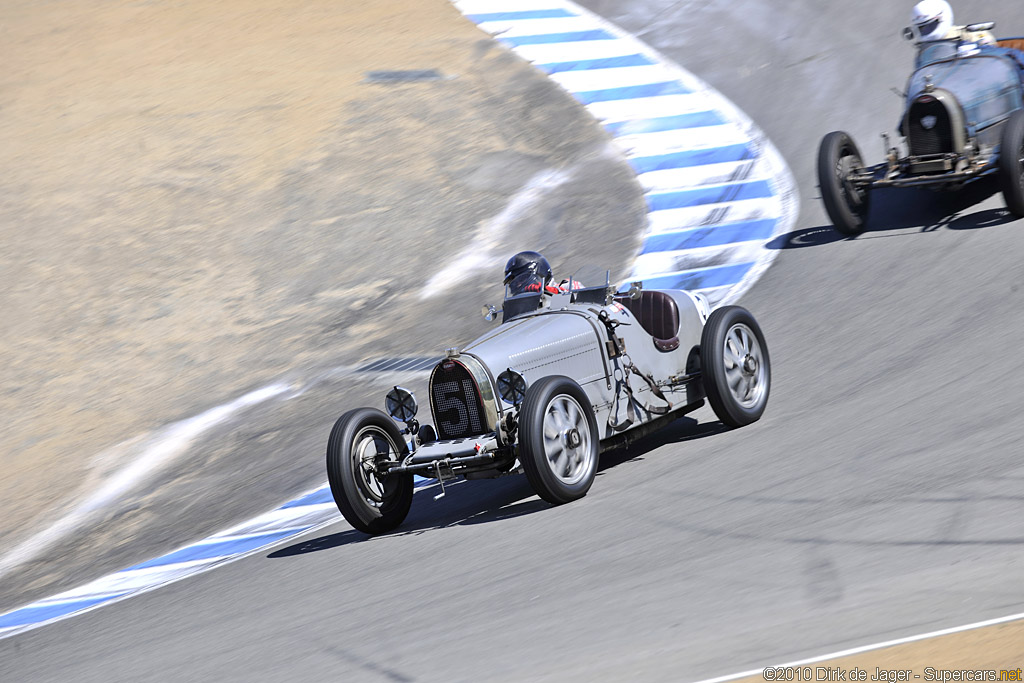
197	197
993	654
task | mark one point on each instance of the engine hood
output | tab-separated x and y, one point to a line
551	343
986	87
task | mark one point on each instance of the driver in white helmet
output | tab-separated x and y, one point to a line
933	20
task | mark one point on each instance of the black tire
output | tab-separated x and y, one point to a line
372	505
846	206
735	366
1011	163
558	440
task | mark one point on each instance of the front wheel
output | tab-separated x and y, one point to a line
846	205
558	442
1011	163
372	503
735	366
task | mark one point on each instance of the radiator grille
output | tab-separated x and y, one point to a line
929	129
455	401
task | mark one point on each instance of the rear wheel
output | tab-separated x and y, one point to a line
846	205
371	502
1011	163
558	441
735	366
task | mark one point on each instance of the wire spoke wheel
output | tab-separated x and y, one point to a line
856	198
371	446
846	203
362	443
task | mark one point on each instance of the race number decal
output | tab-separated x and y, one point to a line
455	400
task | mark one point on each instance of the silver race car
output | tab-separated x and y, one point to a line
569	372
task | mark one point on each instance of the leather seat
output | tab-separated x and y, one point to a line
658	314
1013	43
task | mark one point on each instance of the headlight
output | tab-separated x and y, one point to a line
511	387
400	403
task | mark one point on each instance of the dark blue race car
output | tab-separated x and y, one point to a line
963	119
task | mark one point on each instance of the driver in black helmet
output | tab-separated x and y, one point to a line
528	271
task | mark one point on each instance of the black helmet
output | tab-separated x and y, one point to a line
525	269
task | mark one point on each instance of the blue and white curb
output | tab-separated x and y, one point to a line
313	510
717	190
306	513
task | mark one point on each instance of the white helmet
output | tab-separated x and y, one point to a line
932	19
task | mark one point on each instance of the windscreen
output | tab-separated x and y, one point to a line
517	305
935	51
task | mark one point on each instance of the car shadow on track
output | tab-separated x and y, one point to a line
683	429
493	500
909	208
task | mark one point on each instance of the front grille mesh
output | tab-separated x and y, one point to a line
455	401
936	138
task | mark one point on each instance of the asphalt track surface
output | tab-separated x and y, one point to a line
880	495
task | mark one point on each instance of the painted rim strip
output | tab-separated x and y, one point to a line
716	191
